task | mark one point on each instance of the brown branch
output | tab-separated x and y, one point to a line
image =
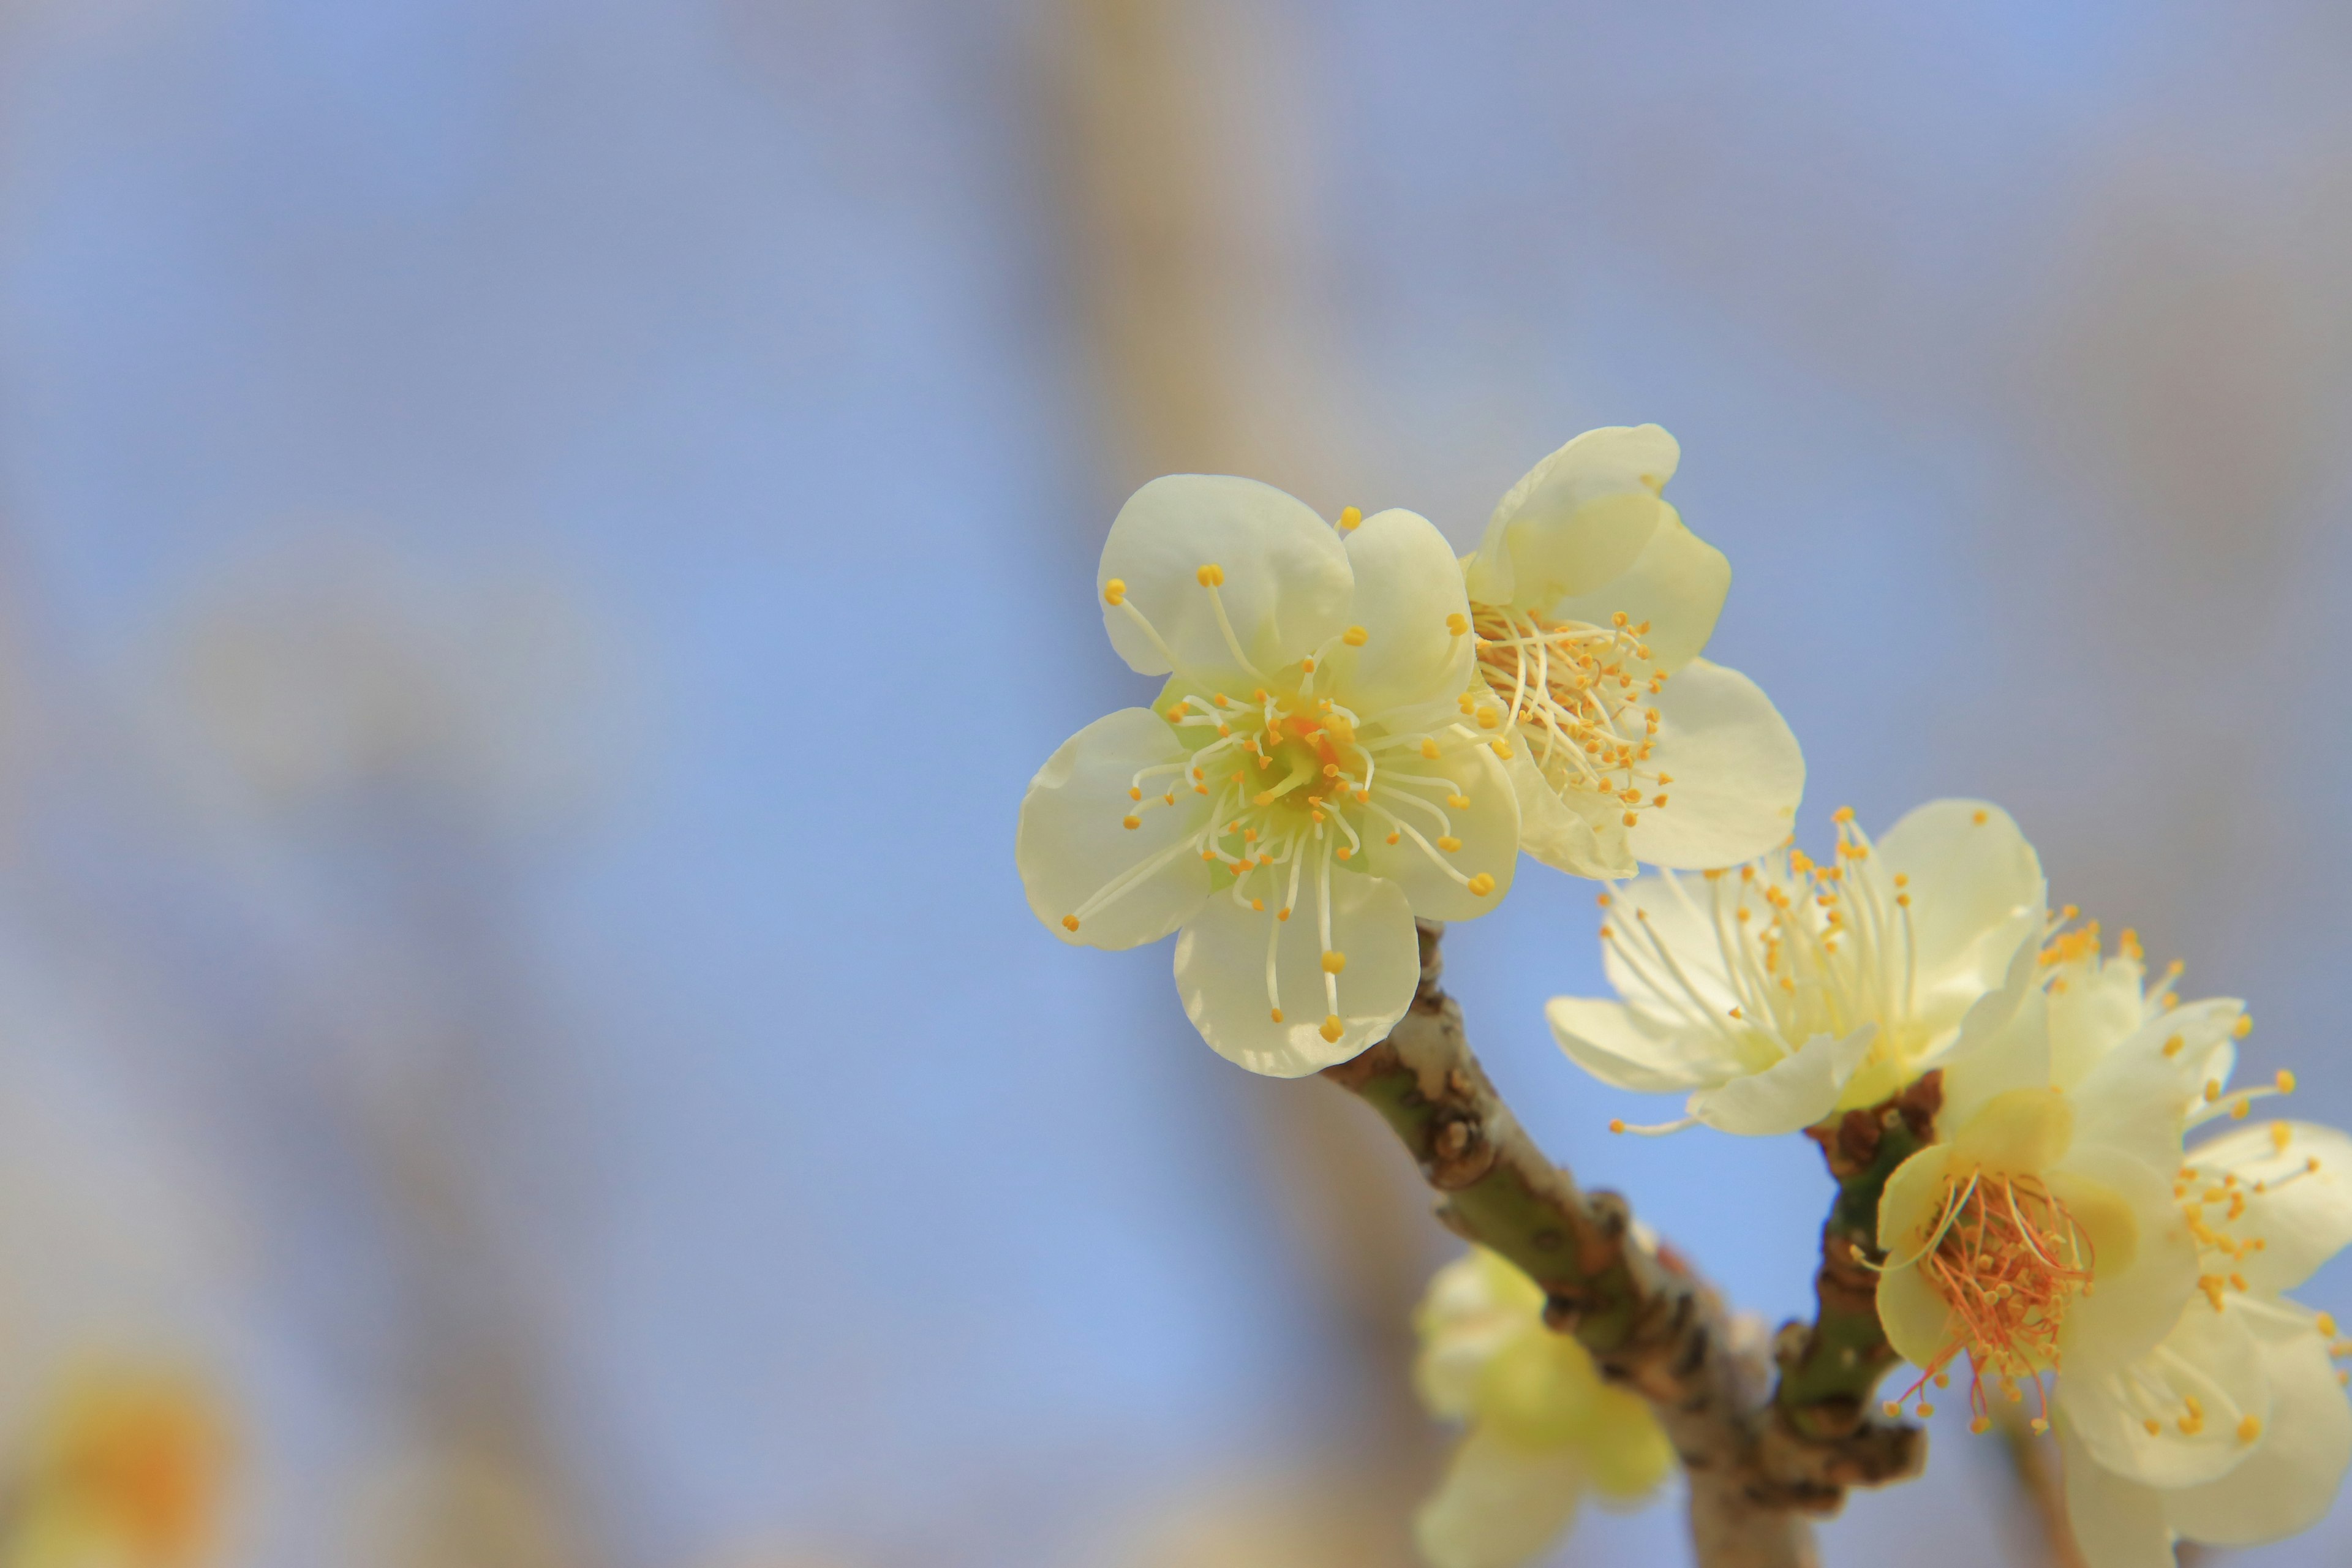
1650	1323
1822	1423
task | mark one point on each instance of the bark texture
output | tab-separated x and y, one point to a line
1651	1323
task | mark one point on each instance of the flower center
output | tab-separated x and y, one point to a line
1574	693
2007	1258
1297	781
1801	949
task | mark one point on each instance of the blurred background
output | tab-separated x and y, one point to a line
540	542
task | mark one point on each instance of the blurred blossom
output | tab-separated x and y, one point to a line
447	1508
128	1466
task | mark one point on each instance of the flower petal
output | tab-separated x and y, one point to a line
2287	1484
1221	965
1488	830
1408	599
1473	1308
2129	1310
1499	1505
2117	1523
1917	1321
2004	1044
1736	770
1666	954
1675	587
2093	1009
1562	838
1627	1049
1792	1094
2303	1216
1286	585
2211	1357
1576	521
2135	1098
1976	891
1071	846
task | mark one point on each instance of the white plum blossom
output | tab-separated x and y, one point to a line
1775	993
1543	1430
2235	1429
1591	603
1303	786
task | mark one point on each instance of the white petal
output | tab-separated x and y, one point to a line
1287	578
2303	1216
2116	1523
2130	1307
1737	772
1676	587
2092	1011
1917	1321
1407	587
2135	1098
1790	1095
1630	1050
1221	975
1666	952
1547	538
1071	843
1976	890
1488	830
1499	1505
1563	838
2211	1357
2004	1044
2287	1484
1474	1307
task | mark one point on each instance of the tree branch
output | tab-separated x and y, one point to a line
1649	1322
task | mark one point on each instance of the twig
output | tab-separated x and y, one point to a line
1649	1322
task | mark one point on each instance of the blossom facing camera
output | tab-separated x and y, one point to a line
1591	603
1543	1430
1303	788
1778	992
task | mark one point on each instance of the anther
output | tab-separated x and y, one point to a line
2286	1081
2248	1429
1429	749
1982	818
1980	1426
1115	590
1069	922
1349	517
1458	801
1332	1028
2244	1027
1210	576
1449	844
2173	1046
1456	624
1277	1014
1333	962
1356	637
1616	1124
1481	885
1131	821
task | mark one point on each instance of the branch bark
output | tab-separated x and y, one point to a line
1650	1323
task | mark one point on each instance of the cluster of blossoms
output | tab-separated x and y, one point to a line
1357	730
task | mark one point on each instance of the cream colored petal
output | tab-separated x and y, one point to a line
2210	1357
2004	1045
2288	1483
1912	1200
1666	952
2116	1523
2129	1310
2135	1098
1737	772
2092	1011
1499	1506
1626	1454
1565	840
2303	1216
2209	1045
1918	1323
1627	1049
1473	1308
1488	831
1071	845
1549	537
1790	1095
1676	587
1221	975
1408	599
1976	890
1287	578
